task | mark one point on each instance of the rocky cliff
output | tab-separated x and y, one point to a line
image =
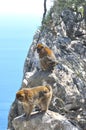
67	110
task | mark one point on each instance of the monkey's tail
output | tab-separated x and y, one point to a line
46	94
49	87
49	94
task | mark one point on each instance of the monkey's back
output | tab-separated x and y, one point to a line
36	90
47	59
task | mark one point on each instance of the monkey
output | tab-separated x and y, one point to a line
47	57
37	96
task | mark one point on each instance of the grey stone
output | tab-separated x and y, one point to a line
48	121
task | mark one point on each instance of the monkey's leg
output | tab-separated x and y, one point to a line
44	107
45	104
28	111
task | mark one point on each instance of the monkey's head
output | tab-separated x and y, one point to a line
40	47
20	95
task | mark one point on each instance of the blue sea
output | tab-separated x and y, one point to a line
16	36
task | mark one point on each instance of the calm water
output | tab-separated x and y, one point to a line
16	35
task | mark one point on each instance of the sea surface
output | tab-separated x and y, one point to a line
16	36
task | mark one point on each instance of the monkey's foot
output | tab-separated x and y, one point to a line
26	116
43	111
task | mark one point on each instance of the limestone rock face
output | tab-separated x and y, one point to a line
48	121
68	80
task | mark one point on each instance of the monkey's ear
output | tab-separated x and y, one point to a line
25	92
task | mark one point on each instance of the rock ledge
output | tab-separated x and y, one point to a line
40	121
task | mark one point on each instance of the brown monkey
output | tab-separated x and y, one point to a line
37	96
47	57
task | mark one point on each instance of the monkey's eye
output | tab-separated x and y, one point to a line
39	49
21	98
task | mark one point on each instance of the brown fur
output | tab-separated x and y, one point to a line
37	96
47	57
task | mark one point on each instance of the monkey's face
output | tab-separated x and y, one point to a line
20	96
40	48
